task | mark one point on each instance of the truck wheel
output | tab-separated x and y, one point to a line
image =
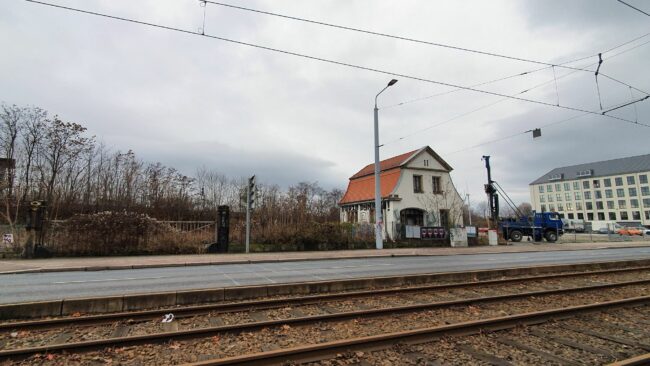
551	236
515	236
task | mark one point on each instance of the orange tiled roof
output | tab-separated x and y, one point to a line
387	164
363	188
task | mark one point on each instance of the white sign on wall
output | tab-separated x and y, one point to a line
8	238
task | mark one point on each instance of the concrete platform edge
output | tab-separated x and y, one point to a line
261	261
142	301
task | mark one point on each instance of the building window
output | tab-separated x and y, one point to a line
571	216
578	206
542	199
585	184
577	195
551	207
619	181
630	179
645	191
444	218
612	216
549	188
589	205
634	203
636	215
426	162
646	202
567	187
560	207
610	205
550	198
632	192
581	216
436	184
558	187
599	205
609	193
543	208
643	179
590	216
647	215
587	195
623	215
621	204
417	184
558	197
601	216
608	182
576	186
598	194
569	206
620	192
596	183
541	189
567	196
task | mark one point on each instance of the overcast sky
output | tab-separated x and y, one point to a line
189	101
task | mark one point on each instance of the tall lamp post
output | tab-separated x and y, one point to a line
379	242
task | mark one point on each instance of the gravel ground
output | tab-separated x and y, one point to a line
229	344
18	338
452	351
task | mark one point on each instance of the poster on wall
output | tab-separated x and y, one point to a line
433	232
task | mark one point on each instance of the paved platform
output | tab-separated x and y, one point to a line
22	287
135	262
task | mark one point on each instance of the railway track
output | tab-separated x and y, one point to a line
414	315
500	341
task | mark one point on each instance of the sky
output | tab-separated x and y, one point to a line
189	101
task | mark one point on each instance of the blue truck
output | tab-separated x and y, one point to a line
539	226
542	225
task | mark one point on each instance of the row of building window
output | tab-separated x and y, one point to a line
600	216
417	184
620	192
622	205
607	182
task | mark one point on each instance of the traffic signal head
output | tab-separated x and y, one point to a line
251	191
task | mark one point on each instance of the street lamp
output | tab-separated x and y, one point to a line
379	243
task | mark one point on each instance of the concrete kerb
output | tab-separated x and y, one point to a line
144	301
276	260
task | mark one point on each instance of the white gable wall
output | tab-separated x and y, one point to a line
432	203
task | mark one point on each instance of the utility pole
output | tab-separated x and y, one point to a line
379	239
250	194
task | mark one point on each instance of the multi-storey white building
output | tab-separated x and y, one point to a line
611	190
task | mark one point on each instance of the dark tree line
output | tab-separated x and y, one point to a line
59	162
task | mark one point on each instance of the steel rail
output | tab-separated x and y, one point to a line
316	352
235	328
187	311
634	361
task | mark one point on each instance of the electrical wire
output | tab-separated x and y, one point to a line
533	71
492	104
515	134
637	9
340	63
402	38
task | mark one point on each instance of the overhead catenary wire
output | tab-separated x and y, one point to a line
495	103
386	35
402	38
321	59
507	137
536	70
633	7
